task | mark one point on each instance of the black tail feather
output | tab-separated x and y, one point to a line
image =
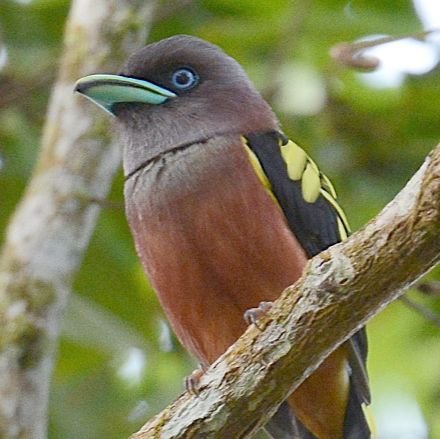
355	423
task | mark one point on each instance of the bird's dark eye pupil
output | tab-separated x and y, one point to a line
184	78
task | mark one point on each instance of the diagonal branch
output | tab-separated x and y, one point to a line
340	290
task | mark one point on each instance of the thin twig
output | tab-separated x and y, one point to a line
350	54
429	288
422	310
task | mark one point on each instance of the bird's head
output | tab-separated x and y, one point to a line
174	92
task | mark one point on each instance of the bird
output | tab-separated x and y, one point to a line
225	212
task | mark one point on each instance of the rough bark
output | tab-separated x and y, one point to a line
51	227
340	290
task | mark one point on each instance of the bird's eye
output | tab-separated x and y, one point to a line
184	78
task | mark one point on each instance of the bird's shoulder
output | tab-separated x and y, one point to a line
304	193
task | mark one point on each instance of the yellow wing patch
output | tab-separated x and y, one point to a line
313	182
295	158
310	183
301	167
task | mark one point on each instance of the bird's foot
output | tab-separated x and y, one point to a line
192	382
252	315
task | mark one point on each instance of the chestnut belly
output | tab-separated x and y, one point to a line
212	241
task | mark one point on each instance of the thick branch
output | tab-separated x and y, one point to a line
51	228
340	290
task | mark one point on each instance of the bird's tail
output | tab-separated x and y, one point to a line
284	425
356	424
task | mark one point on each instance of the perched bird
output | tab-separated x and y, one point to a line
225	211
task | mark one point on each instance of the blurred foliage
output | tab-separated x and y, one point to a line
117	362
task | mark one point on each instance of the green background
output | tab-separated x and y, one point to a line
118	363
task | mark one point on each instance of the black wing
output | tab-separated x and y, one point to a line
305	195
308	201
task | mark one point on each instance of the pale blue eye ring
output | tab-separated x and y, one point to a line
184	78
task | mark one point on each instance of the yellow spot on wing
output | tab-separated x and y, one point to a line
370	420
310	184
295	158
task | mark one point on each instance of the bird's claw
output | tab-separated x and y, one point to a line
192	382
252	315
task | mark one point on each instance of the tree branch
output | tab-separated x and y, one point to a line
339	291
51	228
